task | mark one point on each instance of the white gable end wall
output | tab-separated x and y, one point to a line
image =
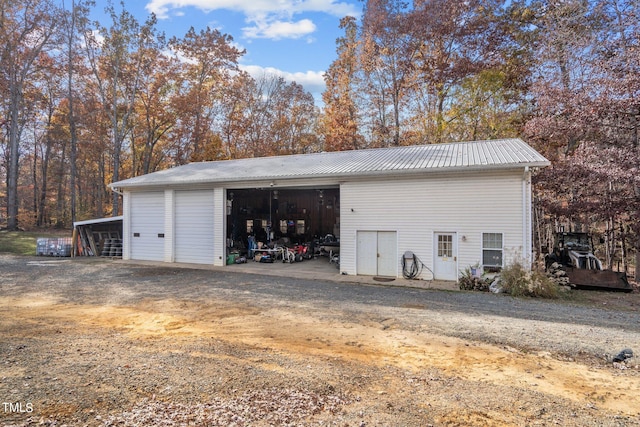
467	204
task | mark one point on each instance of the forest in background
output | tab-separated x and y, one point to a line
85	103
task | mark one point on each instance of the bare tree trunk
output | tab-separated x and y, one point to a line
115	203
60	205
440	116
34	172
14	155
99	192
72	125
45	184
637	270
610	243
623	240
20	50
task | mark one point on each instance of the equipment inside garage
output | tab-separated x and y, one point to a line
268	217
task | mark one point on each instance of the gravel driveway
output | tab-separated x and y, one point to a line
97	342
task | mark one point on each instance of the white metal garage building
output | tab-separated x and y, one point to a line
452	205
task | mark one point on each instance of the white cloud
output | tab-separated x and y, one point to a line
277	30
312	81
162	8
267	18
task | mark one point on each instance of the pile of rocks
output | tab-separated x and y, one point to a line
557	272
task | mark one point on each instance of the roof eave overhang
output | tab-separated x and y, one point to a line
98	221
261	181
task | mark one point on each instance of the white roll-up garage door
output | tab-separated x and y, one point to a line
147	226
194	213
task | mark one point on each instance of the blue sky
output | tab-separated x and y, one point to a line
293	38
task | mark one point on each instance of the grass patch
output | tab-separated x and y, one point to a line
24	242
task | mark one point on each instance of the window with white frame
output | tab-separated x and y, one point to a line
492	252
445	245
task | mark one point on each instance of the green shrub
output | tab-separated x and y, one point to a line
517	281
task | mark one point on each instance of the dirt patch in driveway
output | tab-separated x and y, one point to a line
139	359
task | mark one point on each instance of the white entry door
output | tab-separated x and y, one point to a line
446	256
367	252
387	254
377	253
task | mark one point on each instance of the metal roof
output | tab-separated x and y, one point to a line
98	220
475	155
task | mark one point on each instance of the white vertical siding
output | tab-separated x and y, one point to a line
126	225
169	225
527	256
468	204
220	226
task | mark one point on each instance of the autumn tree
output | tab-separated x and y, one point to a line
494	102
387	59
209	58
567	33
26	27
155	110
482	108
155	113
116	60
231	120
340	116
265	116
94	160
586	118
259	109
293	120
453	41
51	144
73	23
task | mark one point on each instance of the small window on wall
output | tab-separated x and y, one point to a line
300	229
492	252
250	226
284	226
445	245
